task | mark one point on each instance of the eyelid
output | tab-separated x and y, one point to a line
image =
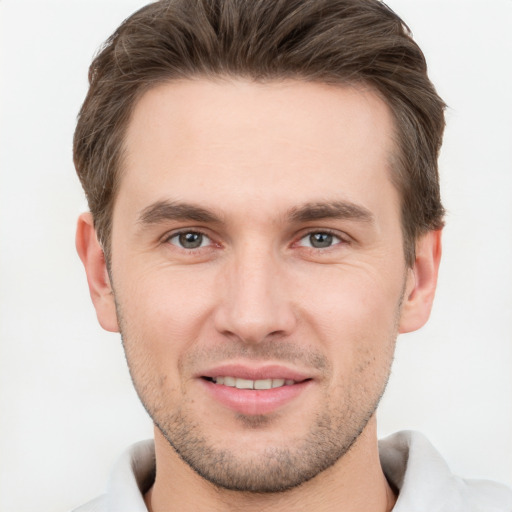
341	236
166	239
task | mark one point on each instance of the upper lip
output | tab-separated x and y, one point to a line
261	372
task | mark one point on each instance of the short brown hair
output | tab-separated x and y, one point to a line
331	41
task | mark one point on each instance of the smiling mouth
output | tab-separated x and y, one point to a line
239	383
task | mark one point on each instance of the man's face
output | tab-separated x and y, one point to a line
256	243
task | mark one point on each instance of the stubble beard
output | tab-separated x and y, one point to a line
273	470
276	469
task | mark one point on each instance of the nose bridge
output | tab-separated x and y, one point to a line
255	302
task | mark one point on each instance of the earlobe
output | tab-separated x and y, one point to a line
93	259
421	283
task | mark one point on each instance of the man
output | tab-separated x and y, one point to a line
265	219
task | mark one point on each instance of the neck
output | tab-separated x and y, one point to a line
356	483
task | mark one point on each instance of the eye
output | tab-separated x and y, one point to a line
319	240
189	240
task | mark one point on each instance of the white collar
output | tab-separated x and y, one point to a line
411	464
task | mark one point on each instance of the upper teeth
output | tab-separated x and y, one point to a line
235	382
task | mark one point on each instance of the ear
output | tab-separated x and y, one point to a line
93	258
421	283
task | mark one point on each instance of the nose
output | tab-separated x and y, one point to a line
256	304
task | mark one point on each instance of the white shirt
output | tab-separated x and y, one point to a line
409	461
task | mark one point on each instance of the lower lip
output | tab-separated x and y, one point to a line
255	401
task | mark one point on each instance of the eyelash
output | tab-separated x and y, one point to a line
177	234
342	240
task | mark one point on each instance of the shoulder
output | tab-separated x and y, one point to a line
425	483
487	496
132	475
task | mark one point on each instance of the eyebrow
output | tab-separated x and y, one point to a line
330	210
162	211
165	210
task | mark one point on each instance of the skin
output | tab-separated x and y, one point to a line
270	166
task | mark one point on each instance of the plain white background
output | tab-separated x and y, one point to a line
67	408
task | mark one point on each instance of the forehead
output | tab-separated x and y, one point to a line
273	143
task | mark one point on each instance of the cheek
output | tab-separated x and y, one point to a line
356	292
355	313
357	327
164	312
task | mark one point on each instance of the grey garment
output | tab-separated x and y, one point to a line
411	464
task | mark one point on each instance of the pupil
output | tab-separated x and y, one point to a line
319	240
191	240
